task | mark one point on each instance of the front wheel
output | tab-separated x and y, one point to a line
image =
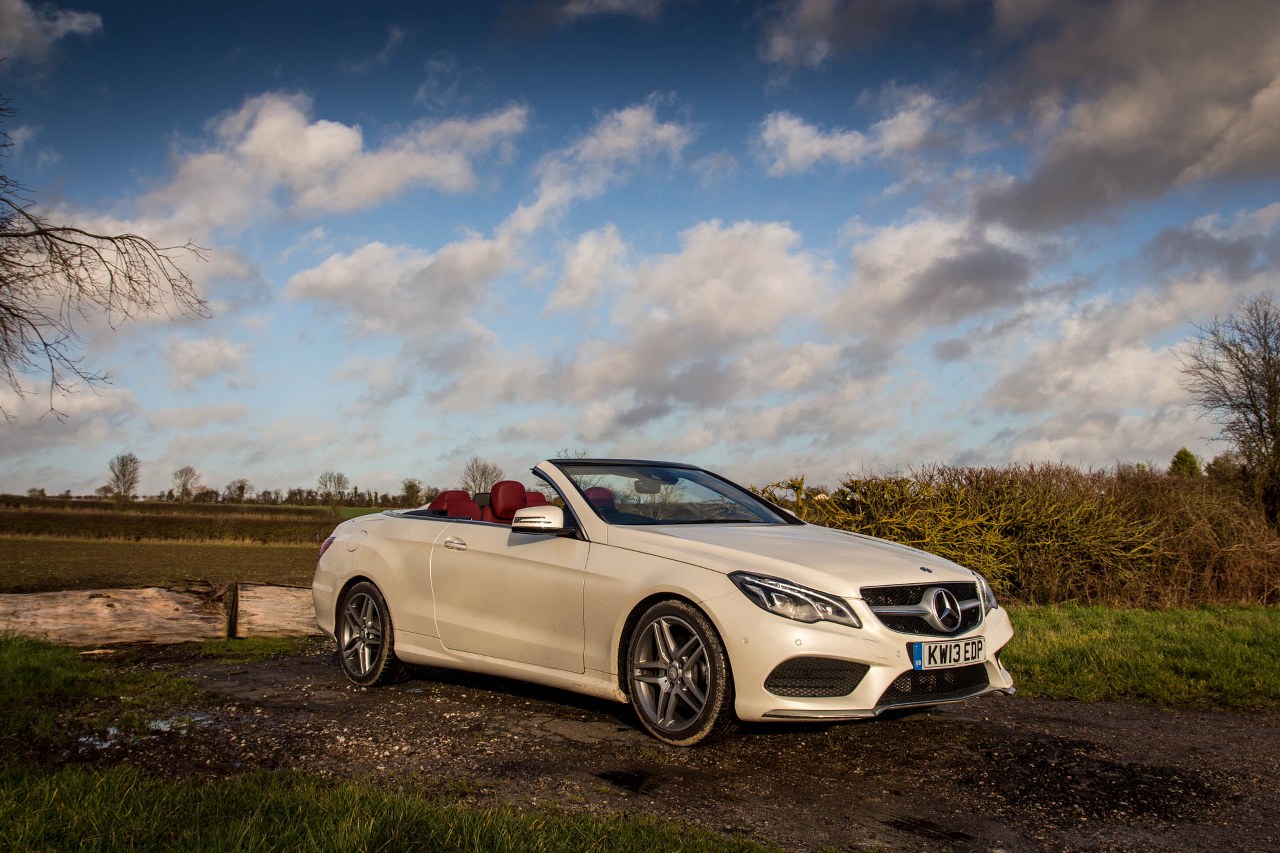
366	641
678	675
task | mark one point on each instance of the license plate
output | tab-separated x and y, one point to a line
948	653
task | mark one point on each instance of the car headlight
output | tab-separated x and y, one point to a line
794	601
986	594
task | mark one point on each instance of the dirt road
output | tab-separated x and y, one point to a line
999	773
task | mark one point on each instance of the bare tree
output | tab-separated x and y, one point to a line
479	475
51	275
333	485
185	482
126	470
238	490
1233	371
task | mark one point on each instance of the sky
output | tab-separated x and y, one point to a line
826	237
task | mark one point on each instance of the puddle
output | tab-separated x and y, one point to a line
113	736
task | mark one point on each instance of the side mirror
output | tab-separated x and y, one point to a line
546	520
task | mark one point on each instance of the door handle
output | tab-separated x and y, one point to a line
453	543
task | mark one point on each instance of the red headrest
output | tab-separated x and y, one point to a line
535	499
600	497
505	498
447	497
461	508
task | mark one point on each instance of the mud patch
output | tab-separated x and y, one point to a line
1062	782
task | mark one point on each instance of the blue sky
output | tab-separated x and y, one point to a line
821	237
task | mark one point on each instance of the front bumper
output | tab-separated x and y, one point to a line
758	642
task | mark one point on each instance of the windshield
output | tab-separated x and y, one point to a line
654	494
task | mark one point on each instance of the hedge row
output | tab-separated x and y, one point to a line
1054	534
191	527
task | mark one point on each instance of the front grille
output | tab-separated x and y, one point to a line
877	597
815	677
936	685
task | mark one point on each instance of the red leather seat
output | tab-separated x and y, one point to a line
445	498
600	497
463	508
535	499
505	498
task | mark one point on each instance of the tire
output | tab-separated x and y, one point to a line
678	675
366	639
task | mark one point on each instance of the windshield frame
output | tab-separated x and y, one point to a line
754	504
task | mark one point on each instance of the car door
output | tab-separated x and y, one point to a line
513	596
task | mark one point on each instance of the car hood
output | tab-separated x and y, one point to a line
833	561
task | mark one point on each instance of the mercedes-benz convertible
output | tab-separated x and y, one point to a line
663	585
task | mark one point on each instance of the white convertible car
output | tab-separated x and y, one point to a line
663	585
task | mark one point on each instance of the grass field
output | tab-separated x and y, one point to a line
1224	656
125	809
48	564
348	512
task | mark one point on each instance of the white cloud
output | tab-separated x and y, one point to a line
620	142
791	145
270	153
714	168
683	333
425	299
27	33
192	361
931	272
595	262
194	417
384	380
88	418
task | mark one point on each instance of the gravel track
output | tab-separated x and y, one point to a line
995	773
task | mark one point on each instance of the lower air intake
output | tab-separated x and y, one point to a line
932	685
813	677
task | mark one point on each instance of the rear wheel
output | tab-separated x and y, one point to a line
366	641
678	675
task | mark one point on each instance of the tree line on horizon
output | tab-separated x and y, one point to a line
333	488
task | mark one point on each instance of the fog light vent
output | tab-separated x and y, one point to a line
815	677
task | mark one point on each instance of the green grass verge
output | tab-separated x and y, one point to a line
49	693
125	809
42	565
1208	656
254	648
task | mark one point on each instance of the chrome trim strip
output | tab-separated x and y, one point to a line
800	714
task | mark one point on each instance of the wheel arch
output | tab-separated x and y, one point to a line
633	617
342	593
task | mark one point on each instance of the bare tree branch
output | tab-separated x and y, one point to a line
51	276
479	475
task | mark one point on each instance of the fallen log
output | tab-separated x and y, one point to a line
97	616
154	615
267	610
